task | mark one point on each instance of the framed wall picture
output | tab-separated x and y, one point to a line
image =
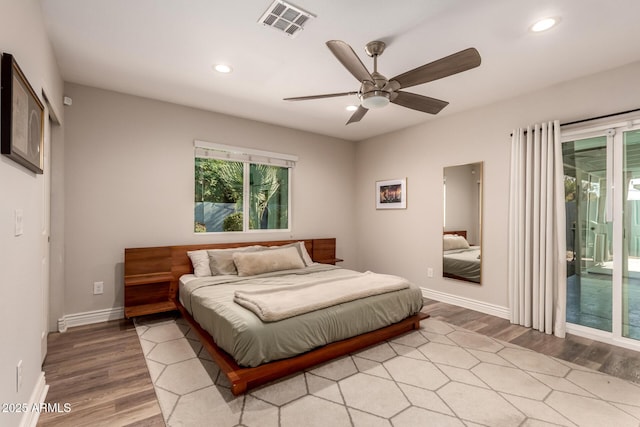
391	194
21	118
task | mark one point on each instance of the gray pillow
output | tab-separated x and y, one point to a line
221	260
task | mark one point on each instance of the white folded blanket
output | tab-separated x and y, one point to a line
282	302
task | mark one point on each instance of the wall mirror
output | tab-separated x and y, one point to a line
462	233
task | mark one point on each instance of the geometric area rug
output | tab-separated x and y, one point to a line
440	375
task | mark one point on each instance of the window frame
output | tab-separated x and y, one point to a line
247	156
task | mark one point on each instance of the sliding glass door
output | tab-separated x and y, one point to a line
631	235
589	234
602	194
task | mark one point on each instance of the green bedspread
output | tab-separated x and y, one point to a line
252	342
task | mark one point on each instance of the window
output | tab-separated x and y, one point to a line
238	189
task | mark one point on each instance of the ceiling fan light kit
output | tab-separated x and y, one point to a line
374	99
376	91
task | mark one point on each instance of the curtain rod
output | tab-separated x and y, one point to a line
594	118
600	117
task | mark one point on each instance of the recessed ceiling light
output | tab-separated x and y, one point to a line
352	107
222	68
544	24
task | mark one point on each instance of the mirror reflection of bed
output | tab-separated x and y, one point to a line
460	259
461	240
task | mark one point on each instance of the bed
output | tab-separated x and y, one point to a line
460	260
252	348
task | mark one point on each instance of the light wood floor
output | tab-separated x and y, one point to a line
100	369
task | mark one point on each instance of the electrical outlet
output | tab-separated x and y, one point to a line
98	288
429	272
19	376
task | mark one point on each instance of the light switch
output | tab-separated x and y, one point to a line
19	222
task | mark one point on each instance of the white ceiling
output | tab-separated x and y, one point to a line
165	49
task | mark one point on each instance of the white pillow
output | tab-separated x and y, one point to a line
452	241
252	263
200	261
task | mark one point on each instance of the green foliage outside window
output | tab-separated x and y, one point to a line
233	222
219	196
268	197
218	181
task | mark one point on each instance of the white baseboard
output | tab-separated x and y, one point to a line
482	307
38	396
89	317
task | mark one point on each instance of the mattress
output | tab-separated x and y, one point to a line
252	342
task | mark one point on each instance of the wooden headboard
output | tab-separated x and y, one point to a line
151	274
462	233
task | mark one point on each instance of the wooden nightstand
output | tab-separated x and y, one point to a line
149	283
148	293
324	251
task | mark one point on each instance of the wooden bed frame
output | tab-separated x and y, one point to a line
171	262
462	233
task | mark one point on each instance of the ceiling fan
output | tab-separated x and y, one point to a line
377	91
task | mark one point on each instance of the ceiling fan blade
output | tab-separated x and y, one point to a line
349	60
358	115
419	102
328	95
443	67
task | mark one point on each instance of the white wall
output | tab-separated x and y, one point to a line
21	291
128	182
407	242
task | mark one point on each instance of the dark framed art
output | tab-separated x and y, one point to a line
21	118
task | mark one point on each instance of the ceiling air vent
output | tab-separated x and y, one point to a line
285	18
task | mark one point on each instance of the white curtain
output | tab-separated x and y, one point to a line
537	246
